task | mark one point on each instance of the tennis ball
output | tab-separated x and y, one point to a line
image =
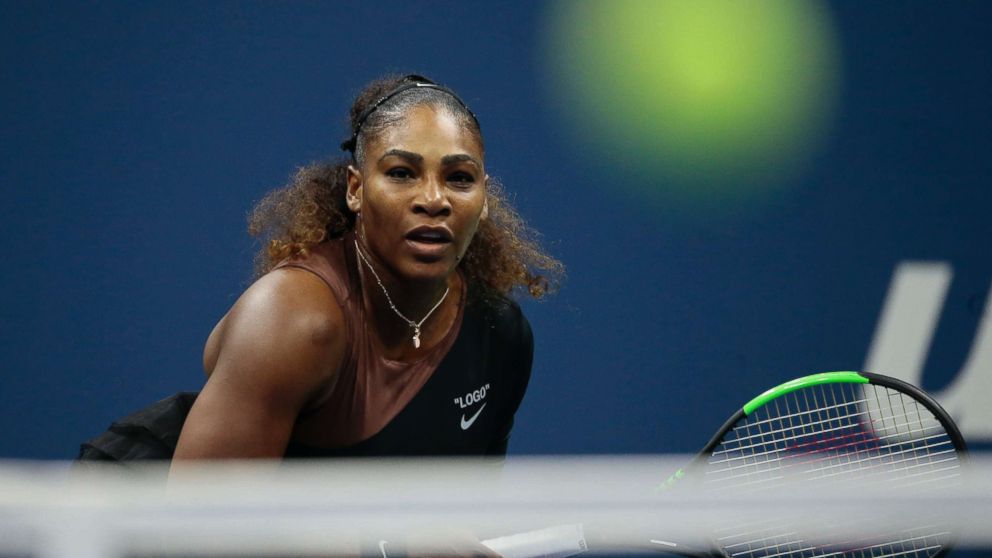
707	96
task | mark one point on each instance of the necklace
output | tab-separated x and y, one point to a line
413	324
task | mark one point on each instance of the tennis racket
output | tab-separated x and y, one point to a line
833	427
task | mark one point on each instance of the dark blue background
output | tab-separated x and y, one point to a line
136	137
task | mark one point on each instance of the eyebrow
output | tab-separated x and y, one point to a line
446	160
460	158
408	155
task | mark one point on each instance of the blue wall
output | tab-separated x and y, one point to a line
136	136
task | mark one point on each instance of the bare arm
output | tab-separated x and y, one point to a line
274	352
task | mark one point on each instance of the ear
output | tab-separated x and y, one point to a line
354	195
485	203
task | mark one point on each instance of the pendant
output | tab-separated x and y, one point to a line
416	338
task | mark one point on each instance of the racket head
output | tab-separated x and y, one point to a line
832	427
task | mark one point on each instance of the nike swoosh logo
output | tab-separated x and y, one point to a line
466	424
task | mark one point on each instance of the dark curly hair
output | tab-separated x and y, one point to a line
503	256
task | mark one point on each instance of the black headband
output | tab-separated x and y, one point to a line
411	81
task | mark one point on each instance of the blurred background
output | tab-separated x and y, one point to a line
742	193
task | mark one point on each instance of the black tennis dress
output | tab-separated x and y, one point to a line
463	407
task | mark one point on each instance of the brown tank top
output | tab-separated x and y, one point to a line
370	390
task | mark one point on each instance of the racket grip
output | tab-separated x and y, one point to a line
551	542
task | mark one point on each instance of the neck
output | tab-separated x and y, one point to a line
393	303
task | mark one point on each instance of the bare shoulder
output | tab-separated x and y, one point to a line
289	318
273	354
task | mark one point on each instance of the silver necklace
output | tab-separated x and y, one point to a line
413	324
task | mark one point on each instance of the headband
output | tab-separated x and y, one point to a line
411	81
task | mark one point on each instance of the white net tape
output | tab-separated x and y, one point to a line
561	505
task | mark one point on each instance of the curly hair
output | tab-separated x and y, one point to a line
504	254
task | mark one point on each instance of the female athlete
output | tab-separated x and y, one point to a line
380	323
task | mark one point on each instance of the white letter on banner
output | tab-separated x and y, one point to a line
904	334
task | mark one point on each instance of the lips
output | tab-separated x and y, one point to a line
430	235
429	243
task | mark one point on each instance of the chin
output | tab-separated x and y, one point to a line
427	262
428	271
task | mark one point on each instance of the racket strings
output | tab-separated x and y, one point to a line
760	533
806	425
830	470
911	545
800	434
888	540
831	436
833	433
739	461
910	422
798	413
823	464
938	444
936	439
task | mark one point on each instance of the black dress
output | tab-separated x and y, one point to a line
465	408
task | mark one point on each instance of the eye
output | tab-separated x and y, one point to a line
461	178
400	173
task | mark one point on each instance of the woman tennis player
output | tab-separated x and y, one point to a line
380	323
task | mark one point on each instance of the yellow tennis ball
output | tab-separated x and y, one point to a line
717	94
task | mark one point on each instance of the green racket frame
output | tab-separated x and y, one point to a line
828	378
776	392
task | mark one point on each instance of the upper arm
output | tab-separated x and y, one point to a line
280	344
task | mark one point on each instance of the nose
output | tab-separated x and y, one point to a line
432	199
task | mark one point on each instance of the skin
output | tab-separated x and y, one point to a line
275	354
428	171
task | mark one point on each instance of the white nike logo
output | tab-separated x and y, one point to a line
466	424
